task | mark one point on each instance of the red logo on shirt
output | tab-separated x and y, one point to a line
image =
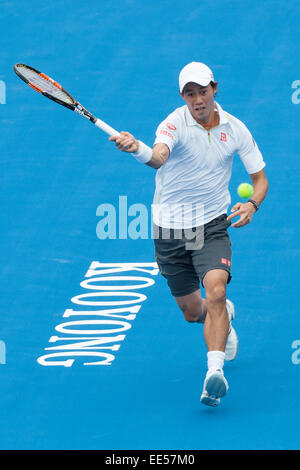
163	131
171	126
223	137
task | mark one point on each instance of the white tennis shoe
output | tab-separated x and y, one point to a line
232	343
208	400
215	387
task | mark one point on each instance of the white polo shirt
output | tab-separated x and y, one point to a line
192	185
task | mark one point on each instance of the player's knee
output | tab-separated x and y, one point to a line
191	317
191	312
216	293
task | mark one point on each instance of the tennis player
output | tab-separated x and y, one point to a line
193	154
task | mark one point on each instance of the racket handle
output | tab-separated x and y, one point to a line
105	127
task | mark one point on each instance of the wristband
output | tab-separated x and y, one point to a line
144	153
254	203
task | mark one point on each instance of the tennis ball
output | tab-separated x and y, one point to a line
245	190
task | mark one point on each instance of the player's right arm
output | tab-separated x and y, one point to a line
126	142
160	154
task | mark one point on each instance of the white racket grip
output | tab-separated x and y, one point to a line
106	128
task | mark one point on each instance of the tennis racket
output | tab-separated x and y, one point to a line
54	91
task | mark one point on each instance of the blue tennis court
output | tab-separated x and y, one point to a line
58	176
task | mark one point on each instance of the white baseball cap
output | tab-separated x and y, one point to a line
196	72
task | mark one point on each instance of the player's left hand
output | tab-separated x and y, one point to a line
245	211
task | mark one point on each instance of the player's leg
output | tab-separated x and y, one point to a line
215	256
216	328
213	264
216	323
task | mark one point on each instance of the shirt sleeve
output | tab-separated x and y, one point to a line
167	133
249	152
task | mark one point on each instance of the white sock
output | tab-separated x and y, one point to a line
215	360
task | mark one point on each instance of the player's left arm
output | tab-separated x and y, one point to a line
246	210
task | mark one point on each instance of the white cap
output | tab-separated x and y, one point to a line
196	72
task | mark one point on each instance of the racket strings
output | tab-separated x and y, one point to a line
44	84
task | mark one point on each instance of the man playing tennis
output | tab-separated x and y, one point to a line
193	153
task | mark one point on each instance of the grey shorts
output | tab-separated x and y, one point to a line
183	264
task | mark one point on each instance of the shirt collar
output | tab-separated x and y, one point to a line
190	121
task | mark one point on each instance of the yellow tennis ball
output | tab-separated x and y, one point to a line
245	190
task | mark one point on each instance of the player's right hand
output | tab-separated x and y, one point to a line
125	142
